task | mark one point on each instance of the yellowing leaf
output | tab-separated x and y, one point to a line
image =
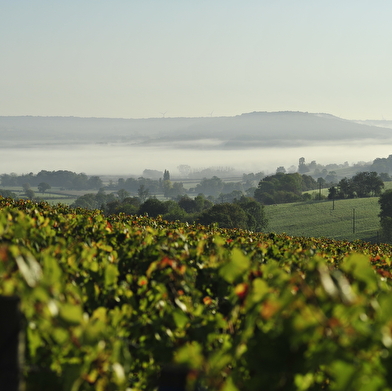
71	313
260	289
229	385
190	354
111	273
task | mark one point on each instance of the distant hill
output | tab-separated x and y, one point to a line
258	129
381	123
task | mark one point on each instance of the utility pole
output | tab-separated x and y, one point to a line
353	220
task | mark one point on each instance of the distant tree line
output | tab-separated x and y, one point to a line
62	178
142	187
383	166
243	213
363	184
7	193
284	188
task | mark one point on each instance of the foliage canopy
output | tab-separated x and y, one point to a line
109	300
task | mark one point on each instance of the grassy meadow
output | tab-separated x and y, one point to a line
327	218
322	219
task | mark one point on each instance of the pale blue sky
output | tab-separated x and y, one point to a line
138	59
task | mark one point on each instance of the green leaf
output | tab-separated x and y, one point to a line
304	382
229	385
52	270
343	374
190	354
60	335
34	339
260	289
180	318
94	266
385	308
111	274
236	266
359	266
71	313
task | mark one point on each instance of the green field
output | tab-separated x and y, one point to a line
53	196
309	219
319	219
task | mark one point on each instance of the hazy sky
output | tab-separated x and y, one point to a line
136	59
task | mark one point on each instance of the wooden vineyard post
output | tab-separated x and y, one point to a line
11	344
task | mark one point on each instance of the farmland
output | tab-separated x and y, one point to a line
349	219
109	300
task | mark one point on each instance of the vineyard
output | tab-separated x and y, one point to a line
108	302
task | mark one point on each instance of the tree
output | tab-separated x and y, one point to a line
187	204
153	207
226	215
202	203
166	175
331	177
302	167
184	170
367	184
346	188
321	182
95	182
129	206
43	186
28	191
255	212
86	201
30	194
167	186
174	212
385	215
363	184
332	192
122	194
230	197
177	190
101	198
282	187
7	193
120	183
212	186
143	193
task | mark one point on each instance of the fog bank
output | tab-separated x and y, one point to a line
132	160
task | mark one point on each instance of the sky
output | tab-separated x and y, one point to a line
183	58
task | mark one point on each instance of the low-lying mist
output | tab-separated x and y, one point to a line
251	142
130	160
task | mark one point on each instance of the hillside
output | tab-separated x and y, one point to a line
259	129
319	219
